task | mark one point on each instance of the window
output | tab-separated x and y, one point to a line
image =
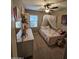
18	24
33	20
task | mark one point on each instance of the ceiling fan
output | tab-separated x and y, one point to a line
48	8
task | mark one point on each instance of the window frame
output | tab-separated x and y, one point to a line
30	21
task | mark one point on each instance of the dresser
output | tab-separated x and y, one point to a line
25	46
28	43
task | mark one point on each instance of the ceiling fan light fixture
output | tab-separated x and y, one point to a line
47	10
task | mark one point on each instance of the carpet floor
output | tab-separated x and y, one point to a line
42	51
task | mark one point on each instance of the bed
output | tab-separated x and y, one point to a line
49	35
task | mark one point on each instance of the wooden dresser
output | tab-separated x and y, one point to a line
25	47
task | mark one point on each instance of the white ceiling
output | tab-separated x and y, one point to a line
38	4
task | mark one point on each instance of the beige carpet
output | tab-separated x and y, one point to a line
42	51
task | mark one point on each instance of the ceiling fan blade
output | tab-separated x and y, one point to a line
48	4
51	10
54	8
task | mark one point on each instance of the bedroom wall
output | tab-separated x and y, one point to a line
17	3
13	33
13	37
39	14
58	17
